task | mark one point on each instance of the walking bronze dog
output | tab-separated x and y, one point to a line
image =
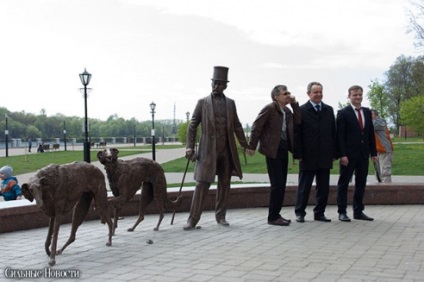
126	178
59	188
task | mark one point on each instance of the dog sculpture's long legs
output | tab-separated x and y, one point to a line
146	199
103	211
117	204
159	204
57	221
79	213
116	213
49	236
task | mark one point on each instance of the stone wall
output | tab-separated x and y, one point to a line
23	215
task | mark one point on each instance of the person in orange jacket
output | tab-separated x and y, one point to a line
384	147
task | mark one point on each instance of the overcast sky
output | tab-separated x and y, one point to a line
164	51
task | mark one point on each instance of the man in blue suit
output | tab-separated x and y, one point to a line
355	144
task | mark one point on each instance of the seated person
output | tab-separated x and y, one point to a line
10	190
40	148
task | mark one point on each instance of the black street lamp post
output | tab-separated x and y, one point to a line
6	133
85	80
152	107
64	134
134	135
188	116
163	135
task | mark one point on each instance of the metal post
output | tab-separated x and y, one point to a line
134	135
153	136
6	133
86	142
85	80
64	134
163	135
152	107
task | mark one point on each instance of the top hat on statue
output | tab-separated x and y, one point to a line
220	73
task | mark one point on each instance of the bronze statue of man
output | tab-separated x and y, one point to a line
217	153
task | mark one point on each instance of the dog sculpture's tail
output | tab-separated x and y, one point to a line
173	205
157	191
162	195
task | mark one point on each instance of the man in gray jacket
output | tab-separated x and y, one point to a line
273	129
217	153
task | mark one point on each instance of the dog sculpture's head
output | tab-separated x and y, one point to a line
108	155
34	190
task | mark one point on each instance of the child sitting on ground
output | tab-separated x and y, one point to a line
10	190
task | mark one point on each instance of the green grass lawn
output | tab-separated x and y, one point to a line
32	162
408	159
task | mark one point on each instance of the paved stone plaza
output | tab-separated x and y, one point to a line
391	248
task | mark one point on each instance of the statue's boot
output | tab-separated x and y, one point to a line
197	205
222	199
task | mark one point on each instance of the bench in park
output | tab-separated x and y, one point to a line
51	147
101	144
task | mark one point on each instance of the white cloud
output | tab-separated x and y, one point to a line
139	51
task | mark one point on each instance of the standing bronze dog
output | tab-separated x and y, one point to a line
126	178
59	188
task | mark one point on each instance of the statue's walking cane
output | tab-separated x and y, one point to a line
181	187
377	170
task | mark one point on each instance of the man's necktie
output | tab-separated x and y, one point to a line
284	128
361	124
318	107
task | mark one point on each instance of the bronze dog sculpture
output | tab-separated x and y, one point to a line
59	188
126	178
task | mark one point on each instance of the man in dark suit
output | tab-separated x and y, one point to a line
356	143
316	149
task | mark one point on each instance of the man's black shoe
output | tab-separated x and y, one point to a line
300	218
280	222
362	216
322	218
343	217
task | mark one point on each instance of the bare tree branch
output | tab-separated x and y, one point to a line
416	20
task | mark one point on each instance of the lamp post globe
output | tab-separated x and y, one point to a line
85	80
152	107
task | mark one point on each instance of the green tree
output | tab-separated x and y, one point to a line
405	80
24	125
412	113
182	132
378	98
32	132
398	86
342	105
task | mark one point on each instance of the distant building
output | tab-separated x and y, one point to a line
405	131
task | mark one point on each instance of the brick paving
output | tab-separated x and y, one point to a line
391	248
